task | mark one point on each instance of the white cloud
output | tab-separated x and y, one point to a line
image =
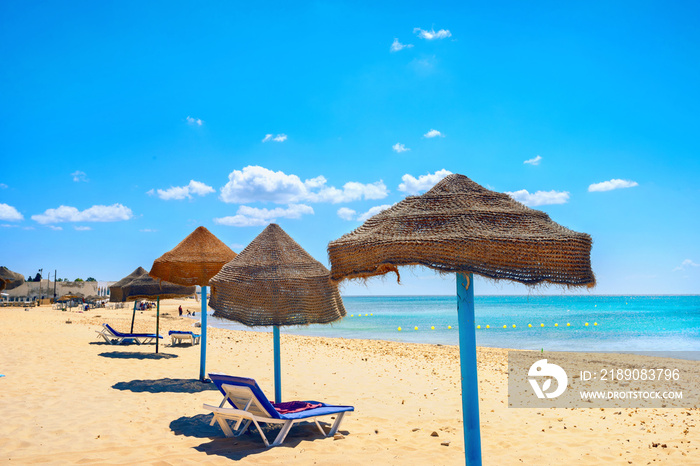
278	138
3	186
148	230
612	184
397	46
372	212
79	176
258	184
236	246
9	213
535	161
6	225
346	214
433	133
53	227
96	213
398	147
83	228
194	121
247	216
540	197
412	185
182	192
430	35
686	264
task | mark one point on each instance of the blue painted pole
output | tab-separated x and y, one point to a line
203	339
467	357
278	370
157	322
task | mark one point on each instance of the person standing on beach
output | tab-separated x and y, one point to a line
180	309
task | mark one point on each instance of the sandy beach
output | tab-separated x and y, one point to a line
67	397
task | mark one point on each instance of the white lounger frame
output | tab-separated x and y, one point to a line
255	413
177	338
113	339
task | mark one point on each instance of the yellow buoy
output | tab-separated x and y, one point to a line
513	325
529	325
449	327
415	328
595	323
371	314
505	326
556	325
541	325
488	326
352	315
568	324
432	328
399	329
478	326
365	315
586	324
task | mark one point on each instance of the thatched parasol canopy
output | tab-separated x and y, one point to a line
116	294
460	226
9	279
71	296
194	261
274	281
144	286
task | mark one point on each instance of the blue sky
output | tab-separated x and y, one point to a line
125	125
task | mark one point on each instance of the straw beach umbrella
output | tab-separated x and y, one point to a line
194	261
146	287
275	282
9	279
116	294
461	227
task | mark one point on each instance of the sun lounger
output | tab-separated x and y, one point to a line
113	337
178	337
249	405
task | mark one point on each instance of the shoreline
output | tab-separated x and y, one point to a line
86	401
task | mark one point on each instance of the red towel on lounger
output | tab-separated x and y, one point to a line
289	407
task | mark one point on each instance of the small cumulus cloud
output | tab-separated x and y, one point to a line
346	213
372	212
148	230
278	138
247	216
433	133
686	264
612	184
96	213
535	161
413	185
55	228
7	225
540	197
398	46
259	184
238	246
398	147
79	176
194	121
9	213
82	228
183	192
3	186
431	35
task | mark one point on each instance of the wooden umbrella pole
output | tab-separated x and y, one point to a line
157	322
132	318
467	358
278	370
203	342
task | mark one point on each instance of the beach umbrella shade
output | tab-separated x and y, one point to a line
275	282
145	287
116	294
194	261
9	279
461	227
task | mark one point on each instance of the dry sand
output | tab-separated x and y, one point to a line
69	398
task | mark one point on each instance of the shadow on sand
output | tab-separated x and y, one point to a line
250	443
129	355
166	386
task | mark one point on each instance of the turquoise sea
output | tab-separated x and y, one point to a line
615	323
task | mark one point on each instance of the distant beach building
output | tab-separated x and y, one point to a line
31	291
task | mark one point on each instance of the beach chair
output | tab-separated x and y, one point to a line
249	405
178	337
113	337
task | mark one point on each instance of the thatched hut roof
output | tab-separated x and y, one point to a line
116	294
194	261
460	226
10	279
274	281
140	285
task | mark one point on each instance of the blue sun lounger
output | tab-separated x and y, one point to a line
178	337
249	405
113	337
